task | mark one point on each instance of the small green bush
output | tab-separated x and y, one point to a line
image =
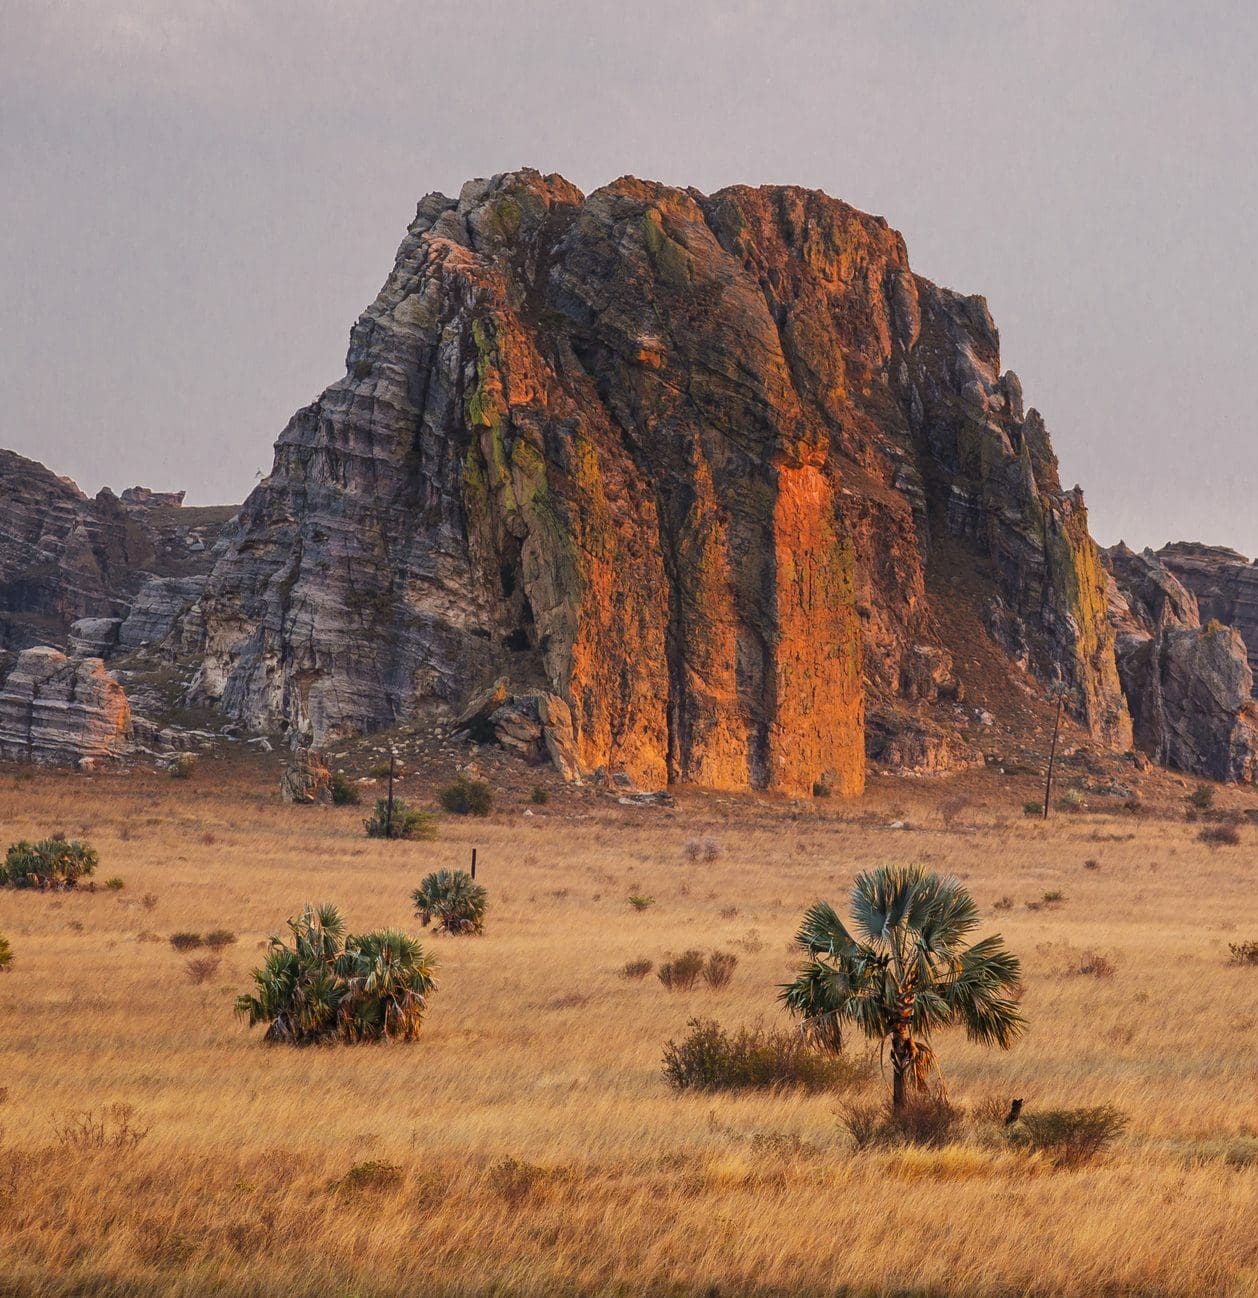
6	953
1071	800
53	863
1069	1137
708	1058
115	884
218	938
186	941
344	791
1032	808
407	821
381	771
453	899
540	796
923	1120
1202	797
183	766
682	972
639	902
467	798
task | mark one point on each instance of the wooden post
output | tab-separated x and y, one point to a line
473	863
388	819
1052	754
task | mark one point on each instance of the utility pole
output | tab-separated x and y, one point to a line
388	818
473	863
1052	754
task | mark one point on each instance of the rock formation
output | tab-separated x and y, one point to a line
1224	583
1189	687
60	710
66	558
681	465
306	779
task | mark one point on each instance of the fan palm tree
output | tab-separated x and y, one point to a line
907	972
327	985
453	899
388	980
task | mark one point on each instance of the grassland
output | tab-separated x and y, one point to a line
536	1148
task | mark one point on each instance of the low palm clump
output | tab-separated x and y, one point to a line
397	819
325	985
53	864
907	972
453	900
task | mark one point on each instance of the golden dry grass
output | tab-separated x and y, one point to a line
537	1051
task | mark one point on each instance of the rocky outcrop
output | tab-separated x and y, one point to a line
677	464
66	558
1189	688
60	710
1224	583
306	779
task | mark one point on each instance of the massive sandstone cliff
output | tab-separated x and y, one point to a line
687	463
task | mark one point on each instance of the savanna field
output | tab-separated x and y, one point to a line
528	1142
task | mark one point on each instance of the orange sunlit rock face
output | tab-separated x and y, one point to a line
689	467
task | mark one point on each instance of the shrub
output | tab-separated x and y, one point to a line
1244	952
370	1176
183	766
112	1126
1091	864
1220	836
327	985
639	902
202	969
515	1180
467	798
921	1120
1069	1137
218	938
702	849
115	884
1032	808
636	970
540	796
344	791
52	864
407	822
1053	898
821	789
381	771
709	1058
682	972
719	969
186	941
1094	964
453	899
6	953
1202	797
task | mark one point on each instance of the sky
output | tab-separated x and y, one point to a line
197	199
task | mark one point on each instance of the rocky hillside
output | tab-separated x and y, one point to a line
715	487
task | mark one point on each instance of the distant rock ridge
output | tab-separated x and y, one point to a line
682	462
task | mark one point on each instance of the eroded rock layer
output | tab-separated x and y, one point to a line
677	461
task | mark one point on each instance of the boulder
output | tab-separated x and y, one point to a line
59	710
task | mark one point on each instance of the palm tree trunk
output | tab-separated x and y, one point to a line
901	1064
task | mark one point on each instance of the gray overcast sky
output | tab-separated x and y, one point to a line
199	198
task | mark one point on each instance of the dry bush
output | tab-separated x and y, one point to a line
1244	952
923	1120
186	941
709	1058
1095	964
951	808
370	1177
112	1126
1069	1137
636	970
682	972
719	969
702	849
202	968
217	939
1225	835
